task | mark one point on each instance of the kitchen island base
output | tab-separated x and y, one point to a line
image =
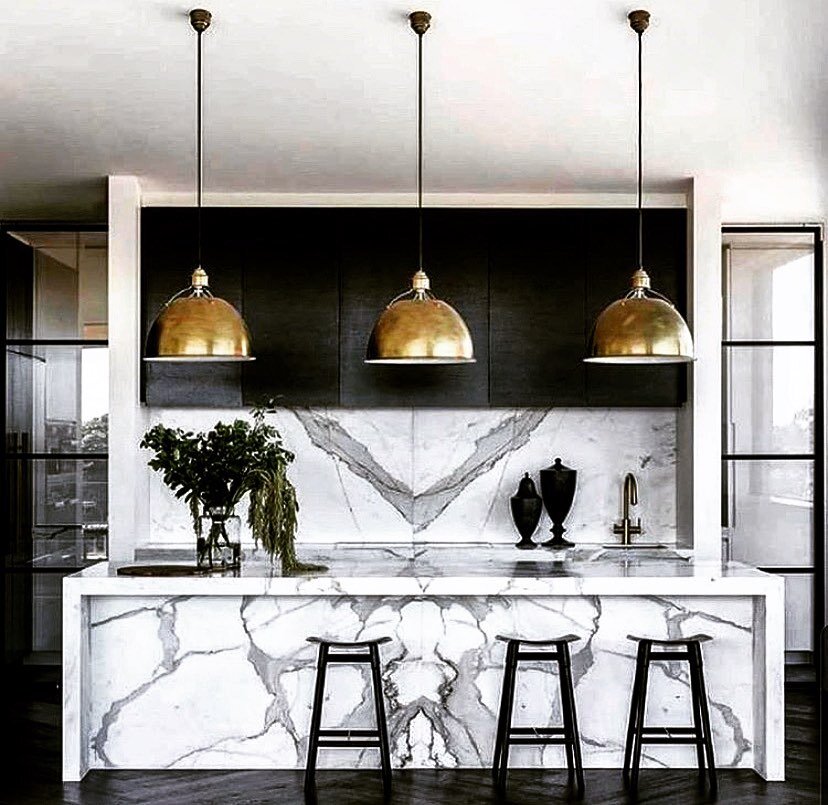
216	673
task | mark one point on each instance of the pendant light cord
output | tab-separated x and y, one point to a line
420	145
640	169
199	145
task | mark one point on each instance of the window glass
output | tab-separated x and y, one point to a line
770	399
769	286
68	292
770	511
57	399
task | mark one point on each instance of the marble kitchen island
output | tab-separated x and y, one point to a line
215	672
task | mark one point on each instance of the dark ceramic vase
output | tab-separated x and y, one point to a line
558	491
526	511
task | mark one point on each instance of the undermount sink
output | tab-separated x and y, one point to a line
640	551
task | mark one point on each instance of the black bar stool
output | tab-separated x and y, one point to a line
567	735
686	649
334	651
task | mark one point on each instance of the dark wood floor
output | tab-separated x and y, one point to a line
31	771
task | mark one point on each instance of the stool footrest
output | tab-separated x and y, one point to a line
670	735
533	736
343	738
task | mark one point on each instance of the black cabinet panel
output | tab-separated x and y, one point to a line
291	305
168	257
610	247
311	283
378	254
537	282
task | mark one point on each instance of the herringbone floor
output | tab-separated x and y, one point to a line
31	772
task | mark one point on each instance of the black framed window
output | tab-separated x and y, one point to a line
773	453
56	422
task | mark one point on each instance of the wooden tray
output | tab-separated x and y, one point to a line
169	570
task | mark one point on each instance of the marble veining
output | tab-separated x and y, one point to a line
426	475
246	695
220	666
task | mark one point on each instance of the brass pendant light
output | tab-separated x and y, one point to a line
644	326
195	325
417	327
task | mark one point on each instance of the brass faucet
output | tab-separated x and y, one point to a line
626	528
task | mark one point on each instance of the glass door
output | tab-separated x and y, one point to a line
772	465
56	420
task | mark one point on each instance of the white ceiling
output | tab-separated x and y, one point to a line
312	96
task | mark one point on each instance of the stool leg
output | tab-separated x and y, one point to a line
573	739
705	717
501	718
316	717
697	718
636	692
509	686
382	727
638	732
567	720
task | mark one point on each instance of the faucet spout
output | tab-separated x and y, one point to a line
630	493
626	528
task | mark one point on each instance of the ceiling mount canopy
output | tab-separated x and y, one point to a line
416	327
195	325
643	326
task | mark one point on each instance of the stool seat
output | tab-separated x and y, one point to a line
681	649
567	638
677	641
377	641
557	651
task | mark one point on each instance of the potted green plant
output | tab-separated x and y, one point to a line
213	470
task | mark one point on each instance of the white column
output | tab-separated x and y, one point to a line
705	393
75	681
128	486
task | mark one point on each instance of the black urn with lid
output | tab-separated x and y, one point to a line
526	511
558	491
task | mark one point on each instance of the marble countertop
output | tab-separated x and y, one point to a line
455	569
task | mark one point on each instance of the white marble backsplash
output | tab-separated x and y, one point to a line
447	475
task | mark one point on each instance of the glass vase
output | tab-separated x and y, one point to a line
219	546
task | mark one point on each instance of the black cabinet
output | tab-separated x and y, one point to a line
378	253
290	289
169	254
311	283
537	285
609	255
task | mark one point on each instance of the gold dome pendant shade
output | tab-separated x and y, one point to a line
416	327
195	325
644	327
